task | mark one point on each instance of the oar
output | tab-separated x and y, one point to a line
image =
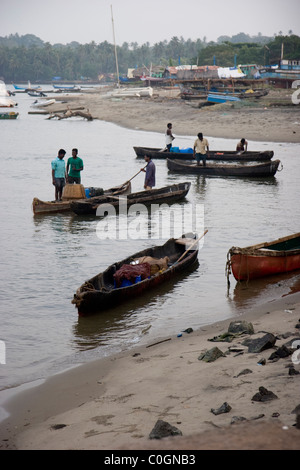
121	186
190	247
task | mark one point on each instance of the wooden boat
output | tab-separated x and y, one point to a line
265	259
102	292
8	115
215	155
167	194
48	207
260	170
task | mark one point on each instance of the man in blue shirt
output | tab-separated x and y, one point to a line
58	174
150	173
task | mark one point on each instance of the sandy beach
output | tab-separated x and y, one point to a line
114	403
272	118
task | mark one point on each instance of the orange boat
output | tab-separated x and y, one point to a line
265	259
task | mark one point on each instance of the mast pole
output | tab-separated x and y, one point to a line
116	56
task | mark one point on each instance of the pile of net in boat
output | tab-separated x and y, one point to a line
130	272
140	269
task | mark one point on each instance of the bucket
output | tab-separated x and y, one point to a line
87	192
73	191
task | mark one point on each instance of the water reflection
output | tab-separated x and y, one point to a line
246	294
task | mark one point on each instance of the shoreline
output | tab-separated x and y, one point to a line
262	121
113	403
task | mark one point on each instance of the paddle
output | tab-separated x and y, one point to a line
122	185
190	247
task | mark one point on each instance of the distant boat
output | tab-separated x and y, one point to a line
9	115
67	87
28	88
131	92
265	259
260	170
42	103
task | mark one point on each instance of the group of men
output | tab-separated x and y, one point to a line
71	175
201	145
62	175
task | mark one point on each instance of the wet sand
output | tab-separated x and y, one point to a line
115	402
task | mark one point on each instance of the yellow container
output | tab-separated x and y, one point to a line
73	191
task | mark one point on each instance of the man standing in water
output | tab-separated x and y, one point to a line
150	173
58	174
201	149
76	166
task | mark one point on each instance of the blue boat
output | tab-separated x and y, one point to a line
221	98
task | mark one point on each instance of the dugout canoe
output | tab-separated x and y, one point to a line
216	155
50	207
249	170
265	259
167	194
100	292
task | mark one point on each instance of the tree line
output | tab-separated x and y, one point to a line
27	57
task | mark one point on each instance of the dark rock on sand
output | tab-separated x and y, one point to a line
280	353
211	355
225	408
264	395
163	429
260	344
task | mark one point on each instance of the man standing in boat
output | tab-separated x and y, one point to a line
58	174
201	149
76	166
150	173
169	136
242	146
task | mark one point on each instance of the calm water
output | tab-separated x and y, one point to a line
45	259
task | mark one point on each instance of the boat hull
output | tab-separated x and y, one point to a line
266	169
48	207
9	115
266	259
217	155
167	194
104	296
247	267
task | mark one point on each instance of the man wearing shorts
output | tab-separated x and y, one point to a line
58	174
201	149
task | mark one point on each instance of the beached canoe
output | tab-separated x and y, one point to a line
265	259
50	207
167	194
216	155
136	275
248	170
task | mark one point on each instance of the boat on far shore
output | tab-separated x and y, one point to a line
265	259
216	155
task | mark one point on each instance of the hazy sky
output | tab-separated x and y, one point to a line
144	21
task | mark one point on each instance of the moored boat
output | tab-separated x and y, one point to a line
51	207
249	170
136	275
265	259
215	155
9	115
167	194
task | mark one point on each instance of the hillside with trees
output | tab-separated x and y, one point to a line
27	57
